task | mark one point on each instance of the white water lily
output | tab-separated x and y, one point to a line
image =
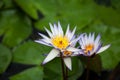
63	44
90	45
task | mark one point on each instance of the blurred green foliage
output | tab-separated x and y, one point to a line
19	19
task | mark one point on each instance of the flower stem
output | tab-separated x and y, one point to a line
87	73
66	73
62	65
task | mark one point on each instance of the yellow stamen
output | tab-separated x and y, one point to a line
67	53
60	42
89	48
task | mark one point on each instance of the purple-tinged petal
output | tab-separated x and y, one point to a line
42	42
78	53
56	29
90	35
49	33
44	36
74	41
72	33
60	29
72	49
67	31
103	48
52	29
89	53
97	39
92	38
99	46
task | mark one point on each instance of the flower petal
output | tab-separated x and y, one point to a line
60	29
72	49
97	39
78	53
53	53
103	48
44	36
52	29
73	42
85	39
72	33
68	63
42	42
49	33
56	29
89	37
92	38
67	31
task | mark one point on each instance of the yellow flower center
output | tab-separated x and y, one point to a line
60	42
67	53
89	48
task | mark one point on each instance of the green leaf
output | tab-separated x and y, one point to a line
108	15
67	12
40	24
80	13
1	4
35	73
30	53
14	26
109	60
8	4
5	58
30	8
116	4
53	69
77	69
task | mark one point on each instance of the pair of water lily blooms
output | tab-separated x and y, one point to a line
65	44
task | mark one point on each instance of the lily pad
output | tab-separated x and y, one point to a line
53	69
67	12
30	8
108	15
30	53
35	73
116	4
5	58
15	27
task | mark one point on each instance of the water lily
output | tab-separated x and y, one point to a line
92	46
63	44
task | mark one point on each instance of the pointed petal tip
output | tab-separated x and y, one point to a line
70	69
53	53
81	35
68	63
49	23
68	26
99	35
104	48
109	45
75	28
43	63
58	22
36	41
